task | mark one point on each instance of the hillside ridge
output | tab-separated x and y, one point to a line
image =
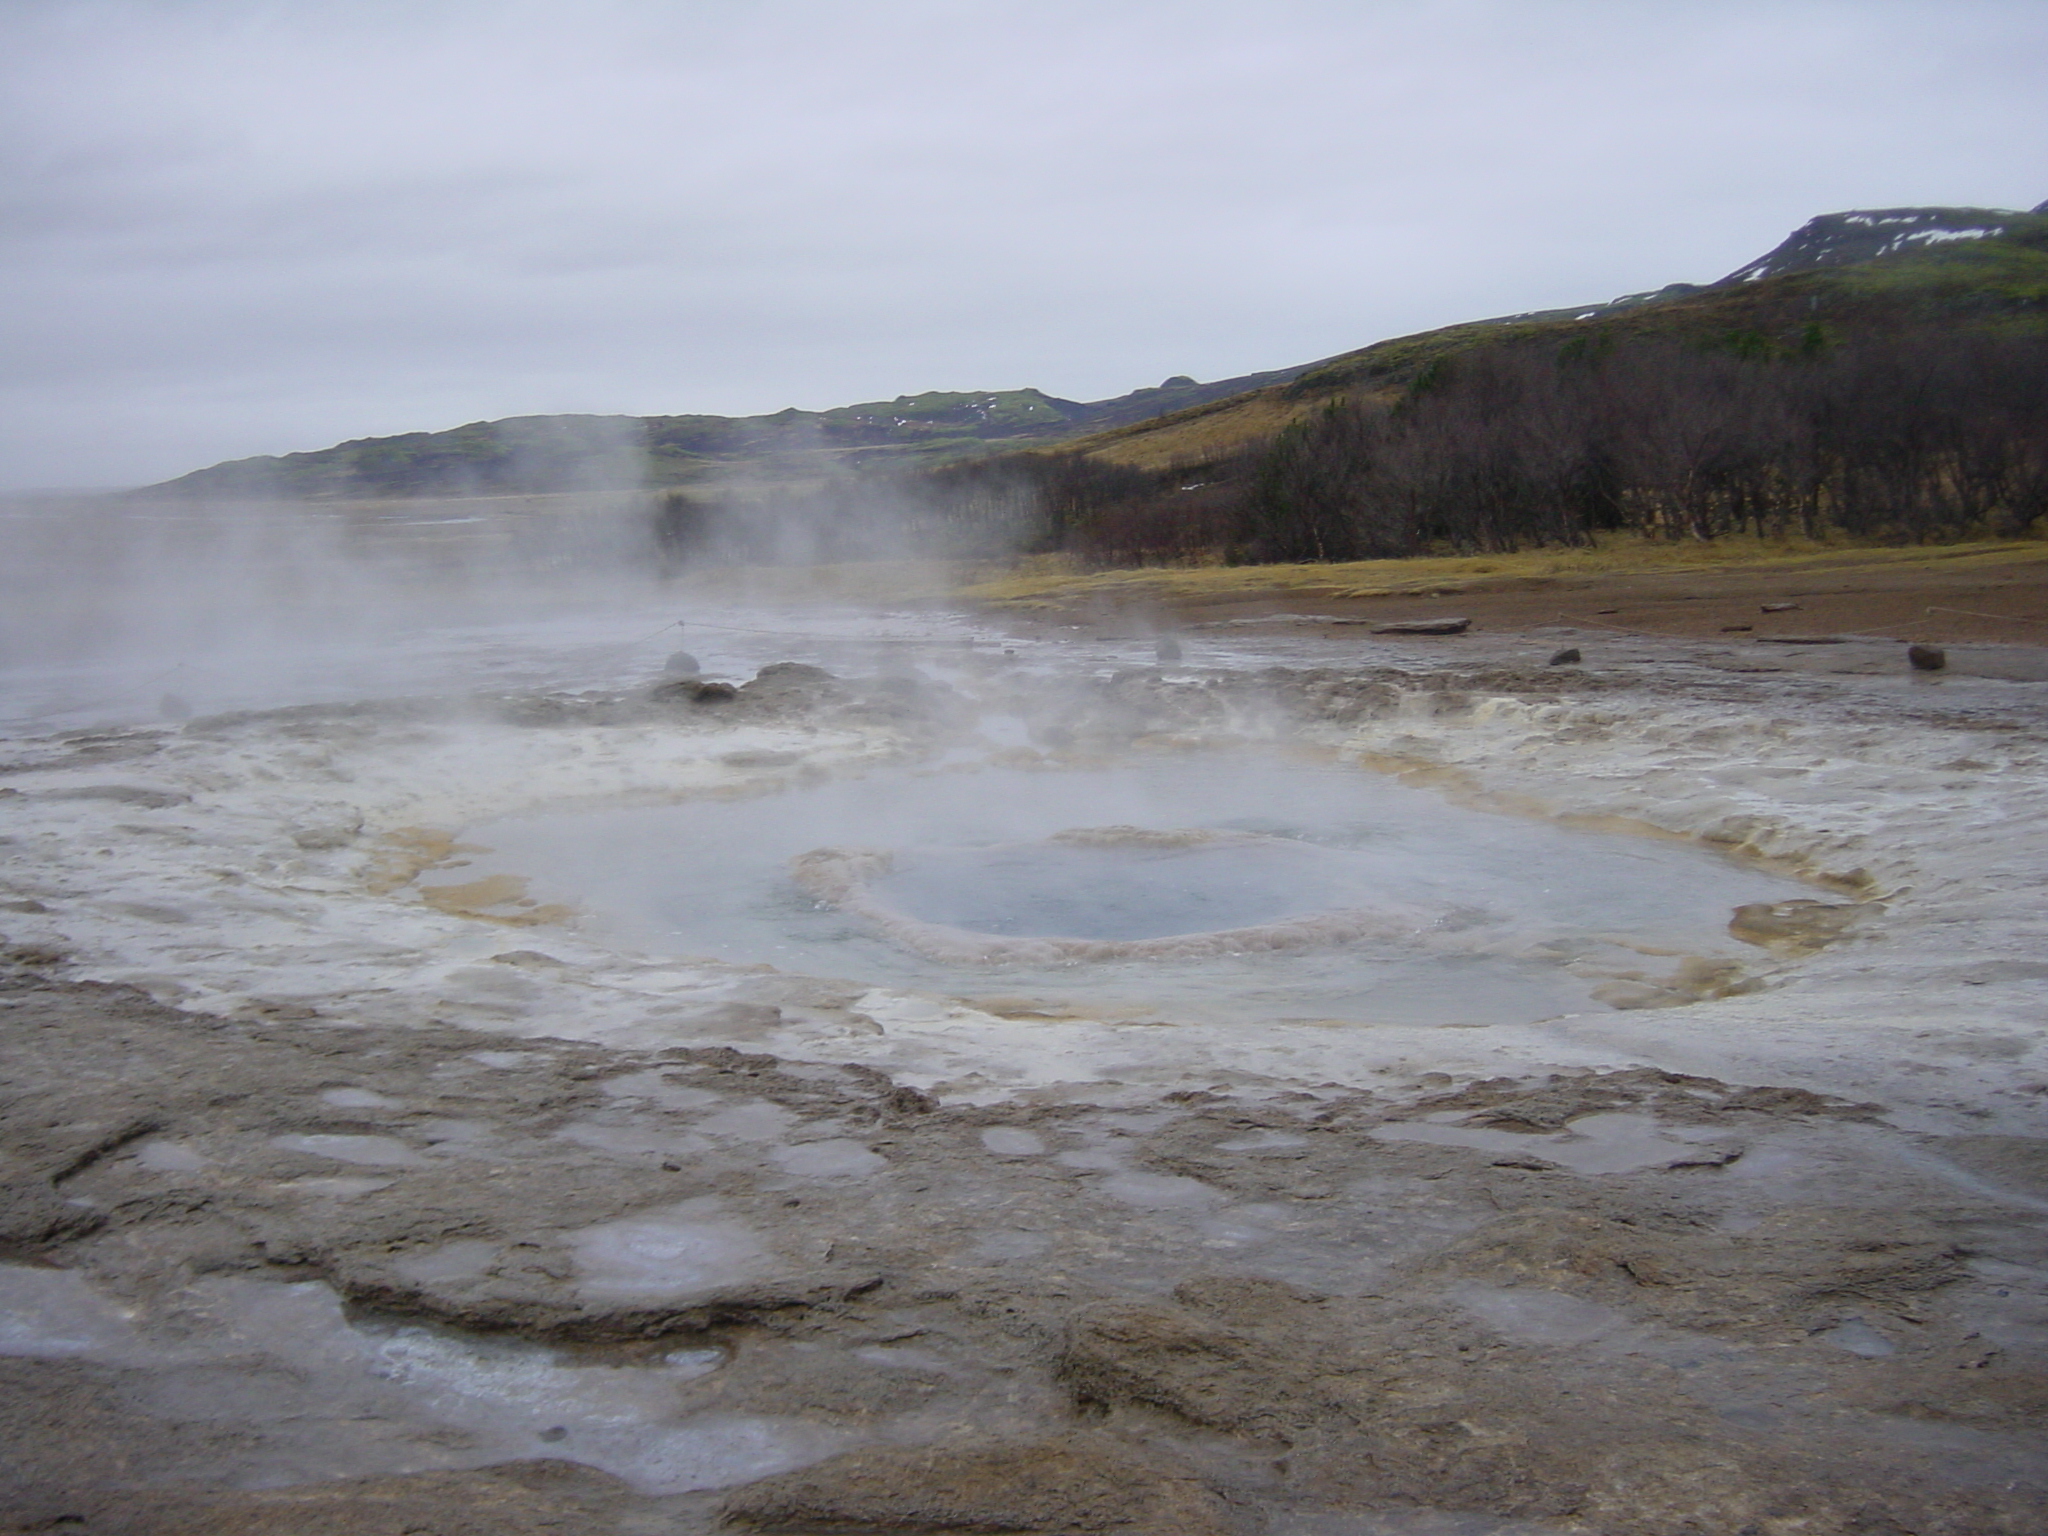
560	453
1866	234
1857	257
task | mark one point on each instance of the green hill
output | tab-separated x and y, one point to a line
1880	374
1841	274
546	454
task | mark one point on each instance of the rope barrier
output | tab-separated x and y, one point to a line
160	678
804	634
1968	613
1661	634
812	635
2009	618
74	709
1619	629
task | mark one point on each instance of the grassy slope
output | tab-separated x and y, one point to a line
1999	284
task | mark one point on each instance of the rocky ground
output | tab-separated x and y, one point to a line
360	1261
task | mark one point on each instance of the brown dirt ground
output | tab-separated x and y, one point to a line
1979	601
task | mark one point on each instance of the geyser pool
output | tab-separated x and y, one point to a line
1105	888
1366	900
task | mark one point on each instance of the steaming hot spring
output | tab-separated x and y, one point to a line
997	862
1232	888
912	1068
997	852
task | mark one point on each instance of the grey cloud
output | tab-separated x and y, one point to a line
242	227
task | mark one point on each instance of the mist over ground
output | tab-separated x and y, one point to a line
596	997
115	607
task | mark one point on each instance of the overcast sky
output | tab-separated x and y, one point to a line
236	228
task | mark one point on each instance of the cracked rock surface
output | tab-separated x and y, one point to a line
335	1203
555	1287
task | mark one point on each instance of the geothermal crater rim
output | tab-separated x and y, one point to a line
848	878
1232	884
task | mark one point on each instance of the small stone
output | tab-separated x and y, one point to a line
1568	657
320	833
1166	649
1926	658
714	693
1778	607
1706	1157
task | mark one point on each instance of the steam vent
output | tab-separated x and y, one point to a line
1400	933
991	1080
